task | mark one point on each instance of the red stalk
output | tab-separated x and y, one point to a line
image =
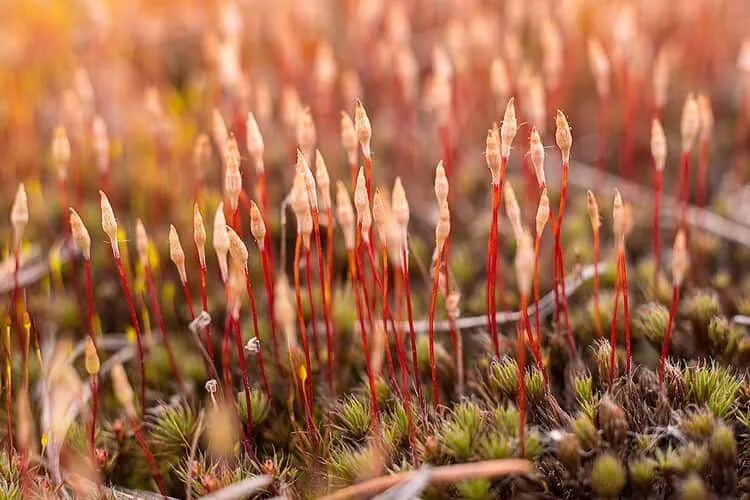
521	396
684	184
136	326
94	409
254	313
431	320
92	334
536	347
268	282
152	464
626	309
355	276
412	332
602	126
386	314
537	320
235	325
188	299
491	261
560	258
668	332
597	310
313	315
8	392
303	331
204	305
659	182
400	351
703	153
325	301
225	344
613	326
156	308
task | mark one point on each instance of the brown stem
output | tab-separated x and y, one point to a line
156	308
412	332
254	313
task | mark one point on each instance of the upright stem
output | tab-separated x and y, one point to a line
412	332
602	126
300	315
92	335
355	276
626	308
188	299
521	396
613	326
235	322
386	315
684	184
659	183
703	152
537	319
254	313
536	348
268	282
8	391
597	310
94	408
325	301
491	263
152	464
136	326
313	315
431	321
204	304
160	321
560	257
668	333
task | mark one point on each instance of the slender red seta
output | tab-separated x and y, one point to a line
152	464
313	315
613	325
684	185
560	259
254	314
160	322
92	335
536	347
491	263
136	326
597	308
268	283
204	304
703	154
386	315
235	325
431	321
188	299
412	332
302	328
626	309
521	396
537	319
355	277
225	345
668	333
325	302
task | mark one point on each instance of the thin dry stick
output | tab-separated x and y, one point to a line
446	474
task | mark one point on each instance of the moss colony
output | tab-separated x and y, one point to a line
355	249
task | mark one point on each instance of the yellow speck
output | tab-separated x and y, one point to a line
45	440
130	333
302	371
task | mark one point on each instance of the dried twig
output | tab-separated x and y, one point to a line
446	474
